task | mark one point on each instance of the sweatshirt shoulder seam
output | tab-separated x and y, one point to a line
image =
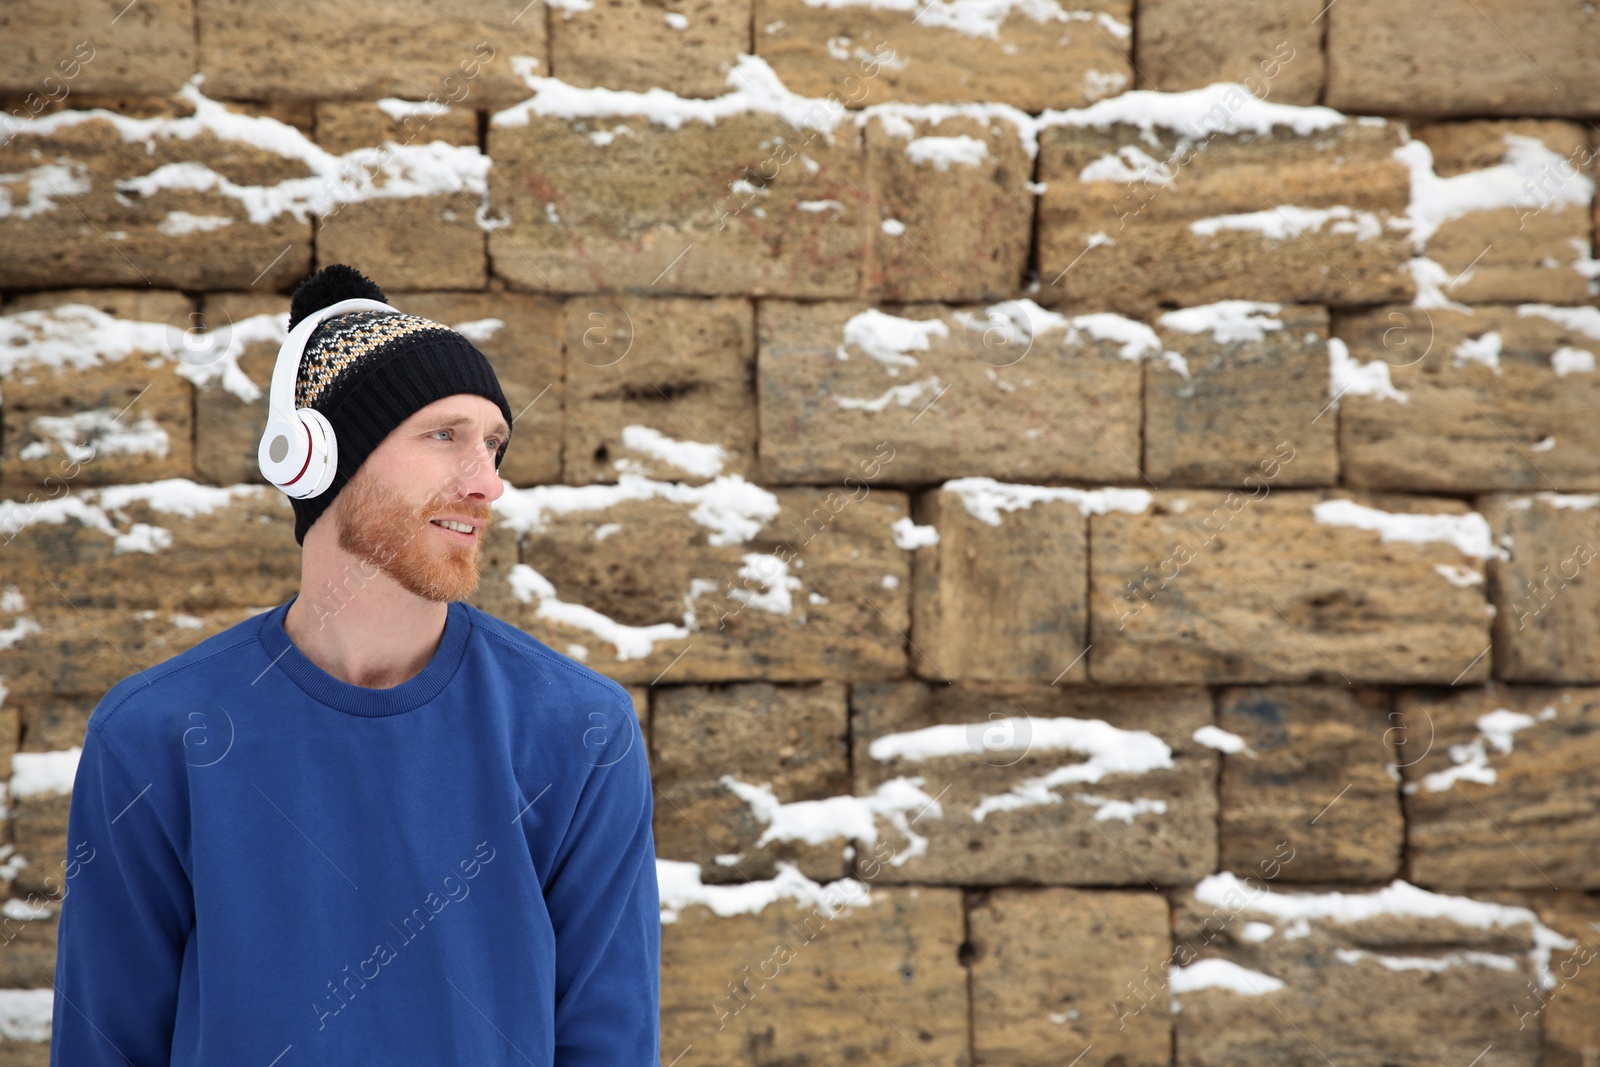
171	673
601	682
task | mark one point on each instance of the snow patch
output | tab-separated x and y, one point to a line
42	183
96	508
982	18
479	331
692	457
733	509
25	1014
1436	201
1228	321
183	224
944	151
772	572
985	498
1224	107
1584	320
679	887
909	536
1288	221
888	338
1219	974
1483	349
1347	376
1469	532
1459	577
1565	361
84	435
816	822
1471	760
631	642
1399	899
44	773
1222	740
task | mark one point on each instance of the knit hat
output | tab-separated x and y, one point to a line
369	371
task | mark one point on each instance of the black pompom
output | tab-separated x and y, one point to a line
327	287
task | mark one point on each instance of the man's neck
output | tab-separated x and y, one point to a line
367	631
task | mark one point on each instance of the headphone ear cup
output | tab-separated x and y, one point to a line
280	456
324	461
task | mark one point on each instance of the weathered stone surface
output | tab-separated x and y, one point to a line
1096	827
1274	48
1207	586
1569	1007
791	740
50	724
868	54
1043	961
720	582
1355	991
84	651
521	335
1547	618
917	170
980	395
349	126
1002	595
230	415
28	948
1531	248
213	547
620	202
1504	799
687	48
1497	57
39	829
88	205
640	694
10	724
84	46
254	52
1253	394
1320	769
1496	398
25	1053
1285	217
496	564
411	242
873	984
640	370
92	393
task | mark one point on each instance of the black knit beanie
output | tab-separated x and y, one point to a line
369	371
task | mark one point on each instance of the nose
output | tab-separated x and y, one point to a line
482	479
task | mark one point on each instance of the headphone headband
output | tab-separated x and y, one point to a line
298	452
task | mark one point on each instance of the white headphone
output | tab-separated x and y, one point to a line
298	452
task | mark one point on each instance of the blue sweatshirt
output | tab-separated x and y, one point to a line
272	866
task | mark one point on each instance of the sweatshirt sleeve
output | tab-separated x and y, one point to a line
124	923
604	906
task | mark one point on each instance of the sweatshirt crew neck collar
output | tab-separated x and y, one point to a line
359	700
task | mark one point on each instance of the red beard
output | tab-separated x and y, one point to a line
381	527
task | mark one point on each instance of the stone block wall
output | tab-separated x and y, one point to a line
1092	499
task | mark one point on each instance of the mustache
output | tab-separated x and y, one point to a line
432	510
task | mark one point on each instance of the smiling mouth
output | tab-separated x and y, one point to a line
461	536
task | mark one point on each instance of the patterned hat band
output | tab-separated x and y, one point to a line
345	344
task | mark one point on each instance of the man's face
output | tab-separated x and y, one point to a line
438	464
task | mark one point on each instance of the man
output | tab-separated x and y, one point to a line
373	825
